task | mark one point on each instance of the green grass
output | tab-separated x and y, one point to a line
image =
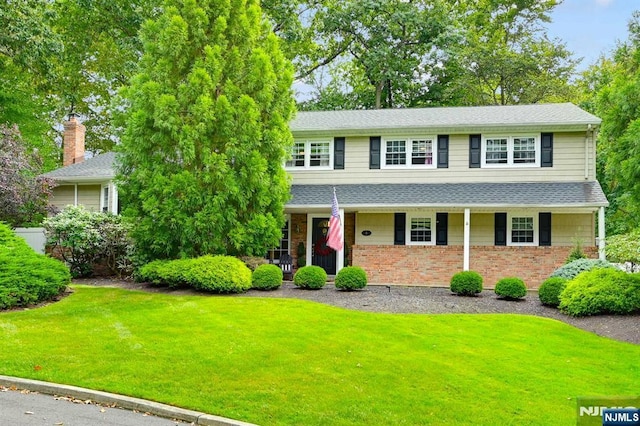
280	361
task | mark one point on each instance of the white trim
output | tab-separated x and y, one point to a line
75	194
307	158
114	199
103	207
420	215
510	151
524	213
408	140
467	239
601	235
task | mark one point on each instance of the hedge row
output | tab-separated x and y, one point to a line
27	277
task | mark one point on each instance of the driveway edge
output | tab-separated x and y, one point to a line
130	403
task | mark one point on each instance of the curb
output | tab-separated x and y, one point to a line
121	401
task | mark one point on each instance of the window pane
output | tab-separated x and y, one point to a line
524	150
497	151
396	153
319	154
297	155
522	229
421	229
422	152
283	247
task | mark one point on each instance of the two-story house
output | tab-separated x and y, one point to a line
426	193
423	193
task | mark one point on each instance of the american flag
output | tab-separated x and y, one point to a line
334	236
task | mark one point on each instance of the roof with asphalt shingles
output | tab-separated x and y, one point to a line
100	166
440	117
549	194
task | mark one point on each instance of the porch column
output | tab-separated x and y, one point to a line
75	194
601	234
340	254
467	238
114	199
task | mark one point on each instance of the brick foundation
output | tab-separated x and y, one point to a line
434	265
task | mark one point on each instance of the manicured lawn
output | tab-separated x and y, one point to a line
277	361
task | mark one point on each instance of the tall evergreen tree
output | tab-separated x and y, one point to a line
200	164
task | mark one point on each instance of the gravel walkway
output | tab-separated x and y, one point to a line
423	300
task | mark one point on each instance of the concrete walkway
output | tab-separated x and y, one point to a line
30	403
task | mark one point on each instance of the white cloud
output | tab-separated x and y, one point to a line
604	3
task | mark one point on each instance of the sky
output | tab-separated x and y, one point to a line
591	27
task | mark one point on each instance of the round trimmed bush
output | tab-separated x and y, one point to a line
267	277
351	278
573	269
310	277
549	291
27	277
218	274
511	288
466	283
601	291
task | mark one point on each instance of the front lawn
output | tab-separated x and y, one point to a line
281	361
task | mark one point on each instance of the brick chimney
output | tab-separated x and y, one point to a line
73	141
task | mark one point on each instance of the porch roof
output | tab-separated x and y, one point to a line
450	195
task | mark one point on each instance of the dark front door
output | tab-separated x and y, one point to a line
322	255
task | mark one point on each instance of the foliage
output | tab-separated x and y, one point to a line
253	262
216	274
466	283
351	278
507	58
601	291
27	277
310	277
83	238
550	290
302	255
571	270
576	253
200	163
267	277
624	248
23	194
511	288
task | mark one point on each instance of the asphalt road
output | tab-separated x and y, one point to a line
21	408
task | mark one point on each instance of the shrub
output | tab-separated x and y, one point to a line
217	274
310	276
164	272
549	291
253	262
571	270
576	253
601	291
351	278
466	283
83	238
267	277
511	288
27	277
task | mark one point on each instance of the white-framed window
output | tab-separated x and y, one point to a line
104	199
522	229
511	151
311	154
408	152
420	228
283	247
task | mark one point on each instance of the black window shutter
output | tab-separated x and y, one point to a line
501	229
442	226
338	153
374	152
399	227
474	151
546	151
443	151
544	229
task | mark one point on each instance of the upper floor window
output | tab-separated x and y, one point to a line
511	151
407	152
311	154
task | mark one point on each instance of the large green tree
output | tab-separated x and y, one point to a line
613	93
200	163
